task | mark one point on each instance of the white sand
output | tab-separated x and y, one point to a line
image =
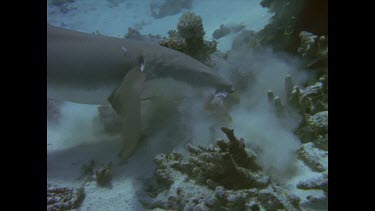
92	15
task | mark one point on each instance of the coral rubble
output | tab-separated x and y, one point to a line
315	129
312	99
221	177
315	158
320	182
312	104
63	198
101	175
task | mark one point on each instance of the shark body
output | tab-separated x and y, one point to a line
91	69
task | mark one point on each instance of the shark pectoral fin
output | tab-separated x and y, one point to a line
126	102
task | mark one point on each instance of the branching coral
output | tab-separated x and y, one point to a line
314	50
174	41
314	98
276	104
290	18
307	101
315	127
189	38
102	175
308	41
312	105
190	27
229	165
220	177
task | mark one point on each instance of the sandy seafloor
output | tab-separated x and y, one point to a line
73	142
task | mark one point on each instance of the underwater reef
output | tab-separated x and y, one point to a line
102	174
297	27
312	104
290	18
227	175
63	198
68	198
300	28
188	38
220	177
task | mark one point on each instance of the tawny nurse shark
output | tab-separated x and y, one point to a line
91	69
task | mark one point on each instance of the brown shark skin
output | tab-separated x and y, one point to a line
91	69
83	61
